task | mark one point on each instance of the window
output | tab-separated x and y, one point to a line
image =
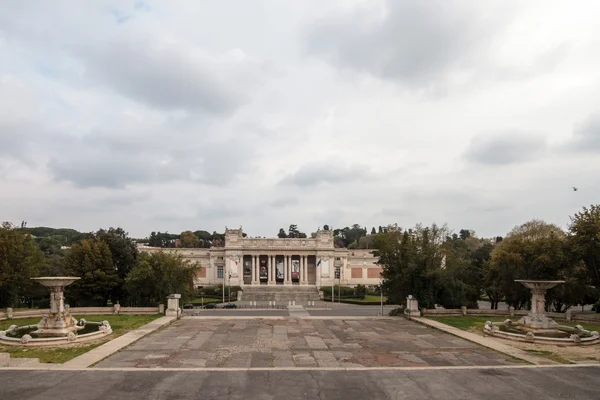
220	271
337	272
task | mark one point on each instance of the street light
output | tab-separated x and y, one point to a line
381	293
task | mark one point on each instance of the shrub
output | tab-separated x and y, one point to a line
361	291
398	311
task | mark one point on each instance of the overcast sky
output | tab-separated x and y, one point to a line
155	115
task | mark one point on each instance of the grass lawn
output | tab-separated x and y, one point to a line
120	324
371	298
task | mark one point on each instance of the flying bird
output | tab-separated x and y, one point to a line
575	189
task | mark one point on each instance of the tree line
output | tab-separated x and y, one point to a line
111	268
454	270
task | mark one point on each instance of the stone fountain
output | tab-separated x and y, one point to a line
537	321
59	321
536	326
57	327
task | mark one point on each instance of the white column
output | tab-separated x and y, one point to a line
257	267
253	279
305	270
285	270
268	269
318	270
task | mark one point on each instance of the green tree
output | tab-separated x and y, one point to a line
187	239
411	263
293	232
373	231
585	239
20	260
205	238
91	260
124	254
157	275
534	250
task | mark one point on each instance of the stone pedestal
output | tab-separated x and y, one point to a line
9	313
59	321
412	307
536	320
173	305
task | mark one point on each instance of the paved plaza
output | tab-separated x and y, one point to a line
301	342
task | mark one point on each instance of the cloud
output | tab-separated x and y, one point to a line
587	137
504	148
154	154
317	173
412	42
171	74
284	202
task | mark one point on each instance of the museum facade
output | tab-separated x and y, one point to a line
247	261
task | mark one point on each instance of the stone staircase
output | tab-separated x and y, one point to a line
281	294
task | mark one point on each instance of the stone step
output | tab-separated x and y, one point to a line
280	294
24	362
4	360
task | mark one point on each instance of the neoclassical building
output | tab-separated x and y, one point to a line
247	261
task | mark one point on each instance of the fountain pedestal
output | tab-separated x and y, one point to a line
537	321
59	321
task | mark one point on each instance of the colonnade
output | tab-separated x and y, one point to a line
272	269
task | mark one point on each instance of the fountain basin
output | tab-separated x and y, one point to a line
537	326
23	335
563	335
58	326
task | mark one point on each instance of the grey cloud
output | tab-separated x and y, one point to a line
284	202
317	173
172	76
414	42
504	148
587	137
109	160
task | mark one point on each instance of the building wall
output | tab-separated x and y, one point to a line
356	266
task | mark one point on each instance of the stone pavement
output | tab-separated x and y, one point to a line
488	342
303	343
111	347
474	383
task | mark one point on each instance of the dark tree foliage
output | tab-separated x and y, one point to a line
350	235
585	239
20	260
124	255
91	260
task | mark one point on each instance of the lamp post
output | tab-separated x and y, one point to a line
381	294
229	287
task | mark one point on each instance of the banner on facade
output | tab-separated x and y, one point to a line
263	270
247	269
279	270
296	269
